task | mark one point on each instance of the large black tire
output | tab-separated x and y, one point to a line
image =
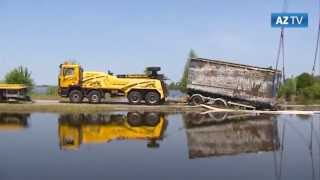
94	97
196	100
134	119
1	96
152	119
134	97
152	98
75	96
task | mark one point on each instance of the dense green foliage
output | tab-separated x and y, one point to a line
184	79
303	88
19	75
288	89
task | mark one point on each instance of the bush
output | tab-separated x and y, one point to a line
311	92
288	89
304	88
19	75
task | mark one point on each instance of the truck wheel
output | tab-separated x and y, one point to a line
152	119
75	96
196	100
134	119
94	97
152	98
134	97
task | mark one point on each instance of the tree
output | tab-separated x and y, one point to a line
288	89
19	75
184	79
304	80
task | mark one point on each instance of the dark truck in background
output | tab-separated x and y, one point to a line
229	84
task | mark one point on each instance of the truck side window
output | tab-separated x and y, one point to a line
68	71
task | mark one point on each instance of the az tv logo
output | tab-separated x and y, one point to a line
298	20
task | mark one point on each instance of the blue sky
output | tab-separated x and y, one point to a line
125	36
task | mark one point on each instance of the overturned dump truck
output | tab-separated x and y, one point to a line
229	84
77	129
253	134
13	92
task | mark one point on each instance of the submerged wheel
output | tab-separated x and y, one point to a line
196	99
94	97
134	118
152	98
134	97
75	96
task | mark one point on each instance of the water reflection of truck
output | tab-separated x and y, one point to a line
13	121
231	137
75	130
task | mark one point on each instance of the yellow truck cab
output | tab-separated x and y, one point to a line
77	84
75	130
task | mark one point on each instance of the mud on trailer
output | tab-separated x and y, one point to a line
229	84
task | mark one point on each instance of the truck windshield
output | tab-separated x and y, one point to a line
68	71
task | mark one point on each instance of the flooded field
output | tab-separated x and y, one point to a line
131	145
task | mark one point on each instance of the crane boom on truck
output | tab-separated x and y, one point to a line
77	84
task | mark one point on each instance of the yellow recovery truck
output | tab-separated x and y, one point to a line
13	92
77	129
77	84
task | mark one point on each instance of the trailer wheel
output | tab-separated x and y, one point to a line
219	102
134	97
94	97
75	96
196	99
152	98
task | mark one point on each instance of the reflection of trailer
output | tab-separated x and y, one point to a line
229	84
10	92
232	138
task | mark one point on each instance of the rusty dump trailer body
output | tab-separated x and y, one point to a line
237	82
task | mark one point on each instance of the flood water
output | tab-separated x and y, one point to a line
130	145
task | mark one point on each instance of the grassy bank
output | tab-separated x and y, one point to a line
80	108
